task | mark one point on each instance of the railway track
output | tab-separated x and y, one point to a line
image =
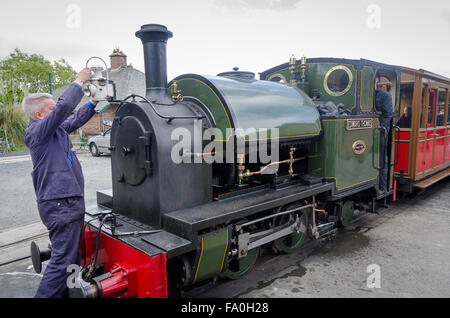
28	239
15	243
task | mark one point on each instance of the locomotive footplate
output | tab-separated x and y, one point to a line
140	236
188	223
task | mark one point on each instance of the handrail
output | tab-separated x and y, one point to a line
106	66
169	118
398	145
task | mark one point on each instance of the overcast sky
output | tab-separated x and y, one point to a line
212	36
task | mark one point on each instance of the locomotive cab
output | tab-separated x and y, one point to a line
343	90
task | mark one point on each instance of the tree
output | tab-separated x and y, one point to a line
63	74
20	74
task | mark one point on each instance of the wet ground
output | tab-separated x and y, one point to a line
18	280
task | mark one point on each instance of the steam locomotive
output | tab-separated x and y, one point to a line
182	213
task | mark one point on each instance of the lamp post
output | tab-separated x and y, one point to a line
50	83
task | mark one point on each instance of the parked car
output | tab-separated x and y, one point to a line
100	144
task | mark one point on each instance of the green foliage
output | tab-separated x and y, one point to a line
13	123
63	74
22	73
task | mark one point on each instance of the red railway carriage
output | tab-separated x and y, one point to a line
424	121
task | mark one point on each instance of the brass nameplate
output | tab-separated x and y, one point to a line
355	124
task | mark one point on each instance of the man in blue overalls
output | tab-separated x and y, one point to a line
383	104
57	177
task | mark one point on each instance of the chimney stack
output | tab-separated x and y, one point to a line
154	39
118	59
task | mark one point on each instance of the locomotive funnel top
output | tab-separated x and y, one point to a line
154	39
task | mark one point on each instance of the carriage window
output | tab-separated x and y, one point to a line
423	123
338	80
431	107
440	109
404	121
406	95
448	113
405	111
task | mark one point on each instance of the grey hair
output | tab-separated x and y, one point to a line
34	103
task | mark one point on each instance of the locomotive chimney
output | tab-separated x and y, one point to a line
154	39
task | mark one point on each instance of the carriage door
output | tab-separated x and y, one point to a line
440	130
431	136
404	144
447	120
431	131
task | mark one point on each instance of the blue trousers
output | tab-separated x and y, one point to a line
384	173
64	219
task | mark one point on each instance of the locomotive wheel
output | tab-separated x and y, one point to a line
292	243
239	267
243	266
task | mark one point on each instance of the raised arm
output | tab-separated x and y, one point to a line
80	118
65	105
